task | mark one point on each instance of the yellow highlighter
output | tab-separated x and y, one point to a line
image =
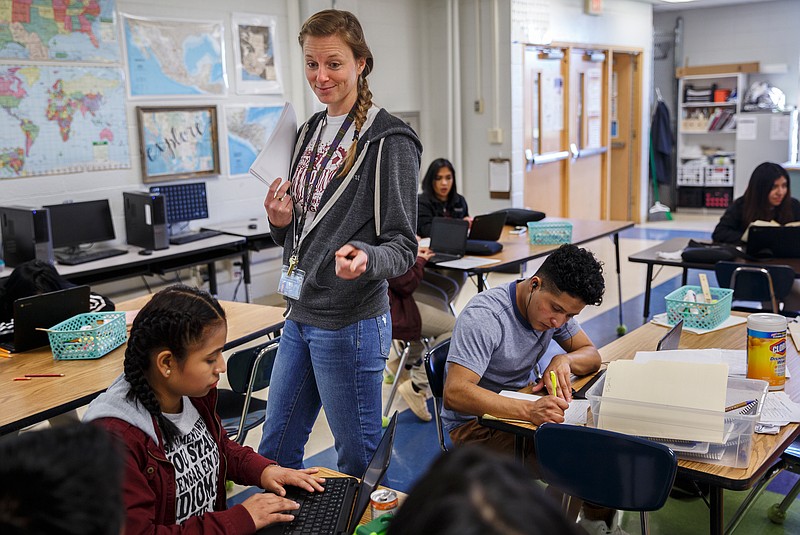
554	382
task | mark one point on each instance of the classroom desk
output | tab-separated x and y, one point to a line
650	258
257	237
174	258
28	402
766	448
517	248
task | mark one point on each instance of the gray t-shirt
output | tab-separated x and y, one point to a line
493	339
195	457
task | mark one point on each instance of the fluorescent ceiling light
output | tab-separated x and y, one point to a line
677	1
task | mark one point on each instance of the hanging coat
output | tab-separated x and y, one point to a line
662	143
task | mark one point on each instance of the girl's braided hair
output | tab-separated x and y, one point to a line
175	319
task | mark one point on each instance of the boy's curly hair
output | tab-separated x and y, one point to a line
575	271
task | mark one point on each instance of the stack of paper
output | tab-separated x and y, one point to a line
778	410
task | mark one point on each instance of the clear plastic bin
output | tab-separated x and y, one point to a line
737	443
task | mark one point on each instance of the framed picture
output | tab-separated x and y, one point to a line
255	54
178	142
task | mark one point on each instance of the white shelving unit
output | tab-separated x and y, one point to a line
709	123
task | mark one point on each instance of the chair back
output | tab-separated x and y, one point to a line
606	468
756	282
435	361
250	369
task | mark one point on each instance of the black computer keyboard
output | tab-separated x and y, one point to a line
90	256
322	512
189	237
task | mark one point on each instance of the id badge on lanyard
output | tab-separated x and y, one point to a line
291	281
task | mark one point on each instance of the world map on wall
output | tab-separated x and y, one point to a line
249	129
67	30
61	120
167	57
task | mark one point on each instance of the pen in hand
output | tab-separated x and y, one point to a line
554	382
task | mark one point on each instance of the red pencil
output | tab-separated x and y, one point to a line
44	375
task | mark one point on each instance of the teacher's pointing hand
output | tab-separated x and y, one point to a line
351	262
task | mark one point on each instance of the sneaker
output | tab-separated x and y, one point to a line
416	401
599	527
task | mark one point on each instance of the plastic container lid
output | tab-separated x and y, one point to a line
766	322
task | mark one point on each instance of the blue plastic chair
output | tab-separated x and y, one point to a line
605	468
249	370
435	361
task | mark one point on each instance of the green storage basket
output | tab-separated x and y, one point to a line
88	336
698	315
549	232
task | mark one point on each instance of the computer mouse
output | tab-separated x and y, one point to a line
252	226
145	252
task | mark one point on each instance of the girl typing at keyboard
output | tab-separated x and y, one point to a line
177	455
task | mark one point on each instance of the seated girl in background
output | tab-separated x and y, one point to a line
36	277
177	455
439	197
767	198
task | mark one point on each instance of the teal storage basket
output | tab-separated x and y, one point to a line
698	315
88	336
549	232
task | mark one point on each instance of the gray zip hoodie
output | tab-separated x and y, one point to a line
373	208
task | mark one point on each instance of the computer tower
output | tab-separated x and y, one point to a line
26	234
146	219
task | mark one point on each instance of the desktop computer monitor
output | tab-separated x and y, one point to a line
76	223
185	202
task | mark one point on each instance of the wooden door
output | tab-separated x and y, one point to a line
544	137
625	120
587	196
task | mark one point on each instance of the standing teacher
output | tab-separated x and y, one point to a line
346	221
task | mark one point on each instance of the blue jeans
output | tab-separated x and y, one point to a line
341	370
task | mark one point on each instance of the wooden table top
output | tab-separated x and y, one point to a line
766	448
28	402
517	248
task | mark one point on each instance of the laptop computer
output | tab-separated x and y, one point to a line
351	497
44	311
448	239
487	227
672	339
773	242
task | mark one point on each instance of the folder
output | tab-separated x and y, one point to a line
665	399
275	159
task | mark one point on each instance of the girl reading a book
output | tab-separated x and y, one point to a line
768	197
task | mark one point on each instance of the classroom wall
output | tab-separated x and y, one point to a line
624	23
392	30
765	32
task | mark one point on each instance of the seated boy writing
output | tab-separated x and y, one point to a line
499	339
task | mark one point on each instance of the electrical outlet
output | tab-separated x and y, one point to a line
496	136
479	106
